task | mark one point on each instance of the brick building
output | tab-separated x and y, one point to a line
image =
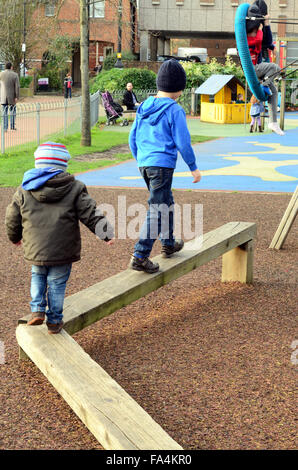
206	23
62	17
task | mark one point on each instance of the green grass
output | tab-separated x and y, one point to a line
18	160
196	139
14	163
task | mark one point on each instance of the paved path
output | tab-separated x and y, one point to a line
254	162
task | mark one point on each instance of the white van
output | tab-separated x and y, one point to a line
232	51
199	53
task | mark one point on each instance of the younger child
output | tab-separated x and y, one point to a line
255	111
45	212
158	132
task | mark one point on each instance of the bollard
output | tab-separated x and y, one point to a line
38	123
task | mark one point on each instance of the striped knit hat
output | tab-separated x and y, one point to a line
51	155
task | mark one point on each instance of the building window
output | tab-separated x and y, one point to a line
234	3
49	9
283	3
97	9
108	50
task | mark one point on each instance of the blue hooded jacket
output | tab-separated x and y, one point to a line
158	132
37	177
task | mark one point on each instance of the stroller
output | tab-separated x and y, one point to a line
113	110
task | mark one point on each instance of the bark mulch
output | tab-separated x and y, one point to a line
210	362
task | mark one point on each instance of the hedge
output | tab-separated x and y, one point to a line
116	79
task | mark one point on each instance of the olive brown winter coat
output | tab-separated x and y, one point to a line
47	220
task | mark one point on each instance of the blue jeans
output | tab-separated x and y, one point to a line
160	215
11	110
48	284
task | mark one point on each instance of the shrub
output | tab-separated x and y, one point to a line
116	79
198	73
25	82
55	77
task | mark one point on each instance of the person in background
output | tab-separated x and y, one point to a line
68	86
10	92
265	71
268	48
129	98
240	99
255	111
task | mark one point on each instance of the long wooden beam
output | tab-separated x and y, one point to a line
113	417
100	300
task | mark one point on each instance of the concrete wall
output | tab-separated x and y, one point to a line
202	21
199	16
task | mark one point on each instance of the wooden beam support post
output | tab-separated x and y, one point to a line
237	264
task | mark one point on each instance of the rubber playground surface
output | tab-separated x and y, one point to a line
239	162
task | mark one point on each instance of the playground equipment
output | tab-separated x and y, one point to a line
285	223
113	417
217	95
254	84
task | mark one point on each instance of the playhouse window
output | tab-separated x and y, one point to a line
211	98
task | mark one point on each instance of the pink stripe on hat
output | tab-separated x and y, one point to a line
51	154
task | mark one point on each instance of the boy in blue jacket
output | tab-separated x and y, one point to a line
158	132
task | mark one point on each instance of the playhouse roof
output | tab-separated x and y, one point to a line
215	83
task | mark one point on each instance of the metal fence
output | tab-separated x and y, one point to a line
27	124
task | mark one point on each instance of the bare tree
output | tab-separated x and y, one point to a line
16	21
84	44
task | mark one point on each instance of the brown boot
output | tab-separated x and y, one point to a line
260	129
54	328
251	129
37	318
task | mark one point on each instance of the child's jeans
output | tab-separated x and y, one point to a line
160	215
48	284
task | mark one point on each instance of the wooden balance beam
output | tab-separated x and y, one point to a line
114	418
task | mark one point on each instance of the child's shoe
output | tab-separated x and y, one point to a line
145	264
275	128
54	328
251	129
37	318
168	251
260	129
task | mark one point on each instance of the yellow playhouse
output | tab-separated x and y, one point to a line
218	100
